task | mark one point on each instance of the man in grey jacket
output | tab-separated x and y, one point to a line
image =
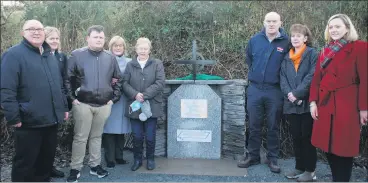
94	68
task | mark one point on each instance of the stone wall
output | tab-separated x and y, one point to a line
233	119
232	93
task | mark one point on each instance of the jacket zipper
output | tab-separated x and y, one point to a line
44	63
98	75
143	77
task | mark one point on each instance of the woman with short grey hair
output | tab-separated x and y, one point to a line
143	83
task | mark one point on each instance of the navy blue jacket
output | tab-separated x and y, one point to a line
264	58
31	87
62	61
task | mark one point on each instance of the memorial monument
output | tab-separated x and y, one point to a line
194	118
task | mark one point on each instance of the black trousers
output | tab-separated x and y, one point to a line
140	130
341	167
301	126
114	146
34	154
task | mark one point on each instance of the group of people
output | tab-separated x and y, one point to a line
106	92
324	98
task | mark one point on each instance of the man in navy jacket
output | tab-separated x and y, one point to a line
264	55
33	102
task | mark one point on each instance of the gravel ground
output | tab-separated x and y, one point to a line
258	173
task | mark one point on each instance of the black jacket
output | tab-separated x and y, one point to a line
298	82
94	71
62	59
31	86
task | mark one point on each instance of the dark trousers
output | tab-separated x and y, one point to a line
341	167
139	130
301	126
34	154
114	146
264	102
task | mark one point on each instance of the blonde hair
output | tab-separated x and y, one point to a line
49	30
143	40
116	39
351	35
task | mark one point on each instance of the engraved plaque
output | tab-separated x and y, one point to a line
193	108
194	135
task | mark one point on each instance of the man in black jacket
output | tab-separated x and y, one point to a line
94	68
33	102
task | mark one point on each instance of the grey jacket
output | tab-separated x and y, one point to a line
117	123
298	82
149	81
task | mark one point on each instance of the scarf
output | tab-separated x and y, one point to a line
330	51
296	57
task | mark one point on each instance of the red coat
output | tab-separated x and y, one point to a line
340	95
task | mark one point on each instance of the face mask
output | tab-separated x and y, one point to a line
135	106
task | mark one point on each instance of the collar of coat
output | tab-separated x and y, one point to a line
95	53
136	64
46	47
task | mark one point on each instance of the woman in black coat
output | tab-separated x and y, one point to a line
297	70
53	39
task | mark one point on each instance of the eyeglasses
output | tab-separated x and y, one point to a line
33	30
118	46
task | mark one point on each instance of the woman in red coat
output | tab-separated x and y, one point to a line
338	96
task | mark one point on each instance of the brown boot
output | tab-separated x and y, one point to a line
247	162
273	166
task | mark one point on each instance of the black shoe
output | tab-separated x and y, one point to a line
73	176
274	167
99	171
121	161
56	173
110	164
137	164
247	162
151	164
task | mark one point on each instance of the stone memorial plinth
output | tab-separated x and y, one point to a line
194	122
233	114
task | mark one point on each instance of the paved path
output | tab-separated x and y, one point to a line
174	170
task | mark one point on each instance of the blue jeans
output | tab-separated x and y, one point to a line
147	129
264	101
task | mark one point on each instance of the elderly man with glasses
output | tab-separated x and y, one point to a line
33	103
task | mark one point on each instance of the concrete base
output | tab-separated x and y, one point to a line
195	167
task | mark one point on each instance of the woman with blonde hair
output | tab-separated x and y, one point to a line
53	39
117	125
143	84
296	74
338	96
52	35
